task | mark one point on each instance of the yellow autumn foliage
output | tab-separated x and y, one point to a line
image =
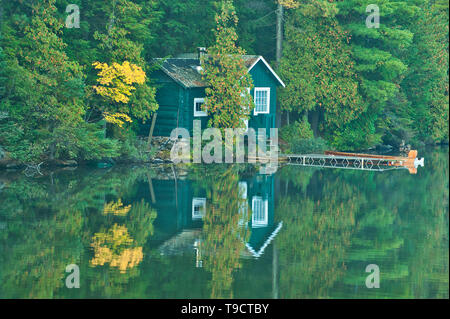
117	118
116	208
289	4
116	80
114	248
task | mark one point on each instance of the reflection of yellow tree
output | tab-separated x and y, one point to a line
223	238
35	253
121	246
115	247
116	208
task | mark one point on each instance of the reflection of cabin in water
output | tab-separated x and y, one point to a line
181	206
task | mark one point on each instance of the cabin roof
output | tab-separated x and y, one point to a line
258	251
183	69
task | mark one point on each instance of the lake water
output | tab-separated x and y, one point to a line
226	232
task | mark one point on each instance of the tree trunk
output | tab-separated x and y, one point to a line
104	129
279	47
315	122
52	151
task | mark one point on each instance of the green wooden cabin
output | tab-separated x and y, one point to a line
181	92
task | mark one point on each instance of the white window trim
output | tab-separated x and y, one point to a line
198	201
264	89
256	223
199	113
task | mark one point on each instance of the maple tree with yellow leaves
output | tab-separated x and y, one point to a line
116	84
116	80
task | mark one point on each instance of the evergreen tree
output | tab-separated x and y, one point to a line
380	64
49	96
426	84
318	69
46	110
228	99
184	25
3	75
256	27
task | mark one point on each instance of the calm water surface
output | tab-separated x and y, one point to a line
226	232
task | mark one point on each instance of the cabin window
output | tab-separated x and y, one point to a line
262	100
198	107
198	208
260	209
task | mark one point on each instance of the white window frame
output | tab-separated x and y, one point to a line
265	221
262	89
198	201
199	113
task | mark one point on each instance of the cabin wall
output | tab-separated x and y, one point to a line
170	96
262	77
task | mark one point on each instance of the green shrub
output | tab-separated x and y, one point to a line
300	138
88	143
308	146
296	131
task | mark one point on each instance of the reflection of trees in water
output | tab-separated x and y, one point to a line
36	248
334	224
223	239
299	177
116	208
404	229
116	247
315	237
49	223
347	220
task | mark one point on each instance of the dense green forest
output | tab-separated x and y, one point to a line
348	86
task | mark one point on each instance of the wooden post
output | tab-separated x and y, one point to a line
150	134
150	185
